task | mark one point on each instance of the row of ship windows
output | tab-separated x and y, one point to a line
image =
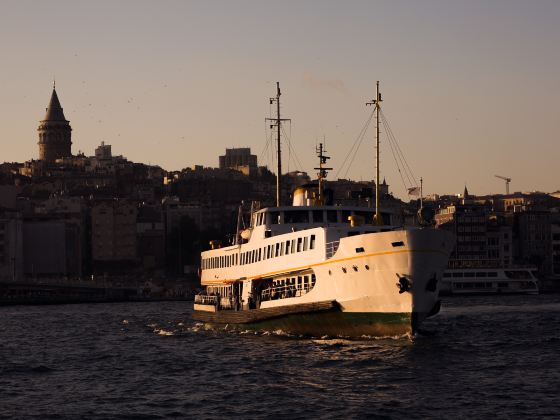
508	273
270	251
314	216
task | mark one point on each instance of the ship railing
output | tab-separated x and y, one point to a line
282	292
331	248
206	300
227	302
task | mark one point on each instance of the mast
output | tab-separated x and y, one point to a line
377	103
421	192
322	174
277	124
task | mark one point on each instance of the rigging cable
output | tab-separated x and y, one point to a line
406	165
356	145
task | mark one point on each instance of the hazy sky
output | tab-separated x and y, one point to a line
471	88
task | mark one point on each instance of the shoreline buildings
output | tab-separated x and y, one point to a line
75	216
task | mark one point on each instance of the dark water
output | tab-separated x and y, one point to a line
480	358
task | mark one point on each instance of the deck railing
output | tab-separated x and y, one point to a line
282	292
206	300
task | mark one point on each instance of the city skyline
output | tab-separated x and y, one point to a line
469	88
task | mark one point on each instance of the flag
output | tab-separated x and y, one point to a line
414	191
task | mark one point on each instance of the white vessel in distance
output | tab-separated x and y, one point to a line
490	280
318	269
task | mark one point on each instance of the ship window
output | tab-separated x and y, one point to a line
399	243
317	216
345	214
287	247
457	274
293	246
480	274
277	250
312	242
260	254
297	216
299	244
367	215
274	217
281	248
305	243
492	274
332	216
360	249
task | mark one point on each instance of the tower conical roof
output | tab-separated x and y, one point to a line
54	110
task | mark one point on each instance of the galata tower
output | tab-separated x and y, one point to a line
54	132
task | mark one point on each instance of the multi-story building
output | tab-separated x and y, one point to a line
113	231
51	248
11	245
555	251
482	238
150	231
239	159
533	234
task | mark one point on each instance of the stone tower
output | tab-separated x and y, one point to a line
54	133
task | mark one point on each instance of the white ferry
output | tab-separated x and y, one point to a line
468	281
314	269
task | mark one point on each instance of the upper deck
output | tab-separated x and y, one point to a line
272	221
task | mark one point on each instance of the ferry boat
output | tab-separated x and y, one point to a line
510	280
316	269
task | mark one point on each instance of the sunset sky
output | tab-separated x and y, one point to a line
471	88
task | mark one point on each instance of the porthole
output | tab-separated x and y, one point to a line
355	267
367	267
330	272
344	269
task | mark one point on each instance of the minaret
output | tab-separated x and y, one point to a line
54	132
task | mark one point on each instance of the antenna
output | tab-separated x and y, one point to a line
322	174
277	123
377	103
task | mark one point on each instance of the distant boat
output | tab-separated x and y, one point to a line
468	281
317	269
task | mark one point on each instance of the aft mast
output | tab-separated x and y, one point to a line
322	174
377	103
277	123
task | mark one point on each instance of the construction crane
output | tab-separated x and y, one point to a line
505	178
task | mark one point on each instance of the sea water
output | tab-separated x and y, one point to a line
481	357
